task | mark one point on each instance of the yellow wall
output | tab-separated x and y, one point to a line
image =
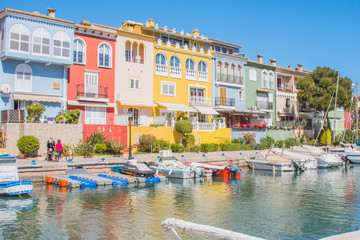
165	133
217	136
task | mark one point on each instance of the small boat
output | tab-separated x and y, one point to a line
132	167
261	163
347	153
228	170
171	167
307	161
9	178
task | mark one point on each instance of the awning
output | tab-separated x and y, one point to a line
245	111
90	104
206	110
177	107
37	98
263	90
139	104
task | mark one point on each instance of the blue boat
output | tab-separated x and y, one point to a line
9	178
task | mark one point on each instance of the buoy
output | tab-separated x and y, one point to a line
49	179
230	166
62	182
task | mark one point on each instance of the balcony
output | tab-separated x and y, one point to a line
13	116
239	80
161	70
175	72
199	101
190	74
263	105
203	76
287	124
92	93
223	101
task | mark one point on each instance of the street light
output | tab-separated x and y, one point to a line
130	115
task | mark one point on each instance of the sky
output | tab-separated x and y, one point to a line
310	32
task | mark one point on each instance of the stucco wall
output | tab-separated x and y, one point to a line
239	133
279	134
217	136
68	133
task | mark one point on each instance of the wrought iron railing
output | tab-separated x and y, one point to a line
223	101
91	91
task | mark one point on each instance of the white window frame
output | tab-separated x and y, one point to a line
23	29
110	55
2	37
134	83
42	33
63	37
265	84
91	83
95	115
271	77
242	95
252	75
76	50
22	67
167	83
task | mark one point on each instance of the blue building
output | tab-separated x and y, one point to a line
35	51
228	81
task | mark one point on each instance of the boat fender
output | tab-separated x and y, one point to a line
230	164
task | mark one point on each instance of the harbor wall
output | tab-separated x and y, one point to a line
68	133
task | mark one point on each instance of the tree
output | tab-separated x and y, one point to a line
317	88
34	112
183	126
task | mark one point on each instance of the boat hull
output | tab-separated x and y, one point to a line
173	173
269	166
327	164
11	188
352	158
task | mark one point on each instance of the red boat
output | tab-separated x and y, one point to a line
228	170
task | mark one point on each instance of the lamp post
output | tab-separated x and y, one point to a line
130	116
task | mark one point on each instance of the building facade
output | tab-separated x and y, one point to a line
92	77
36	52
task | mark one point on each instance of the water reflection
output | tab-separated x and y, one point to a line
307	205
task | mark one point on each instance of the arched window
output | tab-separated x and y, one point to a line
190	65
226	72
41	41
271	80
134	52
288	102
174	62
175	67
190	72
61	45
238	75
202	71
252	75
19	38
160	59
135	116
23	78
232	74
202	67
161	65
219	71
79	51
141	53
264	81
104	55
128	51
2	37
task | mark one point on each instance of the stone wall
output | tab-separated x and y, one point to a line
68	133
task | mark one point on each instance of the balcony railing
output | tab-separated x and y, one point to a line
218	77
200	101
264	105
175	72
190	74
161	70
91	91
223	101
12	116
203	76
284	123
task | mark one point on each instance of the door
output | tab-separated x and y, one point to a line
223	96
91	84
197	96
262	101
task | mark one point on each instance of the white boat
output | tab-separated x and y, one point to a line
9	178
171	167
348	154
261	163
309	162
324	159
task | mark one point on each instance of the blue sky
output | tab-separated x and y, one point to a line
311	32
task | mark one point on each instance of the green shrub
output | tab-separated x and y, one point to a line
290	142
100	147
231	146
267	141
250	139
146	142
183	126
248	146
189	140
156	125
68	116
160	144
96	138
238	140
349	137
260	146
209	147
28	144
310	142
115	147
325	137
84	149
34	112
194	149
280	143
177	148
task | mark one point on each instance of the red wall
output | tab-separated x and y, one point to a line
114	132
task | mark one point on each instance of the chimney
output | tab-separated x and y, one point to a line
272	62
51	12
85	23
196	32
290	67
151	22
300	67
260	58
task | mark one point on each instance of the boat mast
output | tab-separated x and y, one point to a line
337	86
357	113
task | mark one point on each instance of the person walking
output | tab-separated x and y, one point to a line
59	149
50	145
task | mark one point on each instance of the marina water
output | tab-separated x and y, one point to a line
308	205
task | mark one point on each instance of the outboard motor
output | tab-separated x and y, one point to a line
298	165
